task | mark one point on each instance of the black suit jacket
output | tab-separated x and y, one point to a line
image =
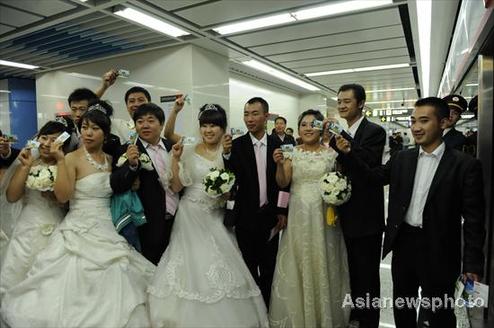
5	162
456	191
150	192
455	139
288	140
363	214
242	162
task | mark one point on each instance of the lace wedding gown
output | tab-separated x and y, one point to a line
201	280
311	277
33	226
87	276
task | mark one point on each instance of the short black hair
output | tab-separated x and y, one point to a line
289	129
317	114
149	109
441	106
212	114
280	118
136	90
264	103
82	94
358	91
53	127
98	117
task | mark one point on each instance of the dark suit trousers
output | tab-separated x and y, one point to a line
409	270
154	237
364	258
259	254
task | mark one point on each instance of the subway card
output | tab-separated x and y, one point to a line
188	140
287	148
63	137
123	73
9	138
335	127
32	144
316	124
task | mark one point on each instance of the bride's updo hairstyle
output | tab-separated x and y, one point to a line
317	115
59	125
212	114
98	112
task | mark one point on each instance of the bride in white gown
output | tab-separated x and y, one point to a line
311	278
29	215
87	276
201	280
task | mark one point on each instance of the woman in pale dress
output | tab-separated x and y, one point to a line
311	278
33	214
87	276
201	279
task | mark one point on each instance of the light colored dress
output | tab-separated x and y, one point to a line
202	280
311	278
87	276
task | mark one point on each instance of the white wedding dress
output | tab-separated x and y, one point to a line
311	278
87	276
38	217
202	280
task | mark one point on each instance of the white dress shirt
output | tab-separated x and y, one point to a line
353	129
261	162
426	169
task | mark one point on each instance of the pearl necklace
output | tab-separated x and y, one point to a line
98	166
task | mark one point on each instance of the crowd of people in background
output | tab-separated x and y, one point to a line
126	236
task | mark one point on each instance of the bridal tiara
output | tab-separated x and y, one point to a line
61	120
208	107
97	107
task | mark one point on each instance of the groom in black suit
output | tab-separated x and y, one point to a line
362	217
431	189
159	202
250	157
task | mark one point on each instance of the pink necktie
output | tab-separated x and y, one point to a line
261	173
159	162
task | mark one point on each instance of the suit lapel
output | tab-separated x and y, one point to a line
410	164
360	130
443	167
251	158
143	150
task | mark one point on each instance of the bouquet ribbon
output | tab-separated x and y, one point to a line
331	216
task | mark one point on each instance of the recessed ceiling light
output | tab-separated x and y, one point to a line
424	18
301	15
149	21
19	65
279	74
359	69
386	90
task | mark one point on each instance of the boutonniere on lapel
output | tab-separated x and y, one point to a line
144	159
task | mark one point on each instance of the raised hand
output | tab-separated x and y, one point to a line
56	150
109	78
227	144
179	104
26	158
278	156
133	155
177	150
342	144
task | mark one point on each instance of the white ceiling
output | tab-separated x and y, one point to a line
58	33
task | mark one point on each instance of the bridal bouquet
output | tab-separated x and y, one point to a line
143	158
335	190
218	182
42	177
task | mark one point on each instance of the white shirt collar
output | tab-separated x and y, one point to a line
264	139
353	129
437	153
147	144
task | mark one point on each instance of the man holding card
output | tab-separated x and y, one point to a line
280	133
158	201
7	153
362	217
250	157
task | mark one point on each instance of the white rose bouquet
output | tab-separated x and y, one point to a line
41	177
143	158
335	190
218	182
